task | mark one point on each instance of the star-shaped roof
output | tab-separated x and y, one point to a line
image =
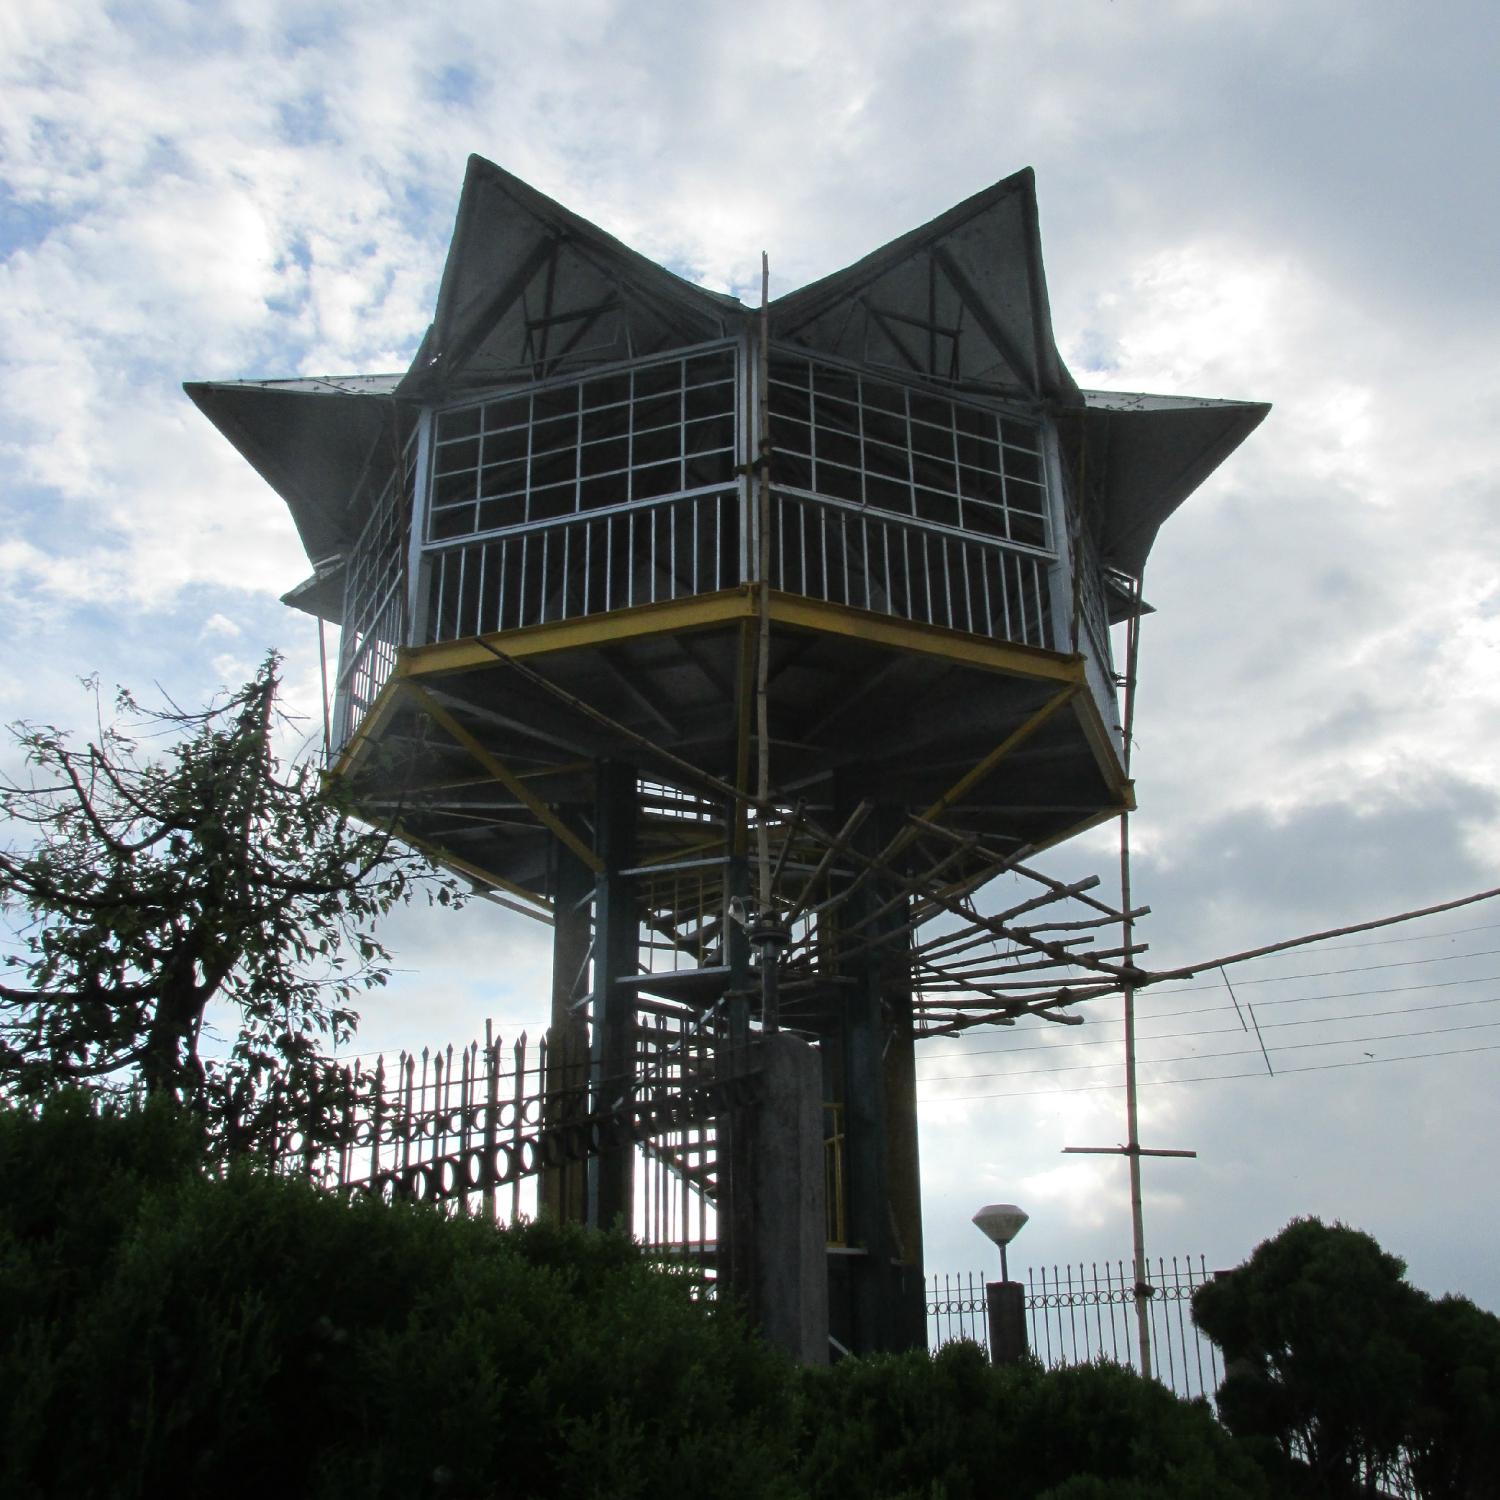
530	290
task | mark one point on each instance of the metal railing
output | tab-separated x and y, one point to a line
895	565
1078	1313
588	564
374	618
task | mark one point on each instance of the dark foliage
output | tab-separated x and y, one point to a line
906	1427
1344	1376
169	1330
250	1335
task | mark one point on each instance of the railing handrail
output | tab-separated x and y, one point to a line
851	507
576	517
916	523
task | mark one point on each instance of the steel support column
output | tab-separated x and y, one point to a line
880	1302
563	1190
616	951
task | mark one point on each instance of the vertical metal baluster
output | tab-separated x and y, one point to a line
377	1104
516	1128
483	551
466	1129
409	1067
823	548
491	1123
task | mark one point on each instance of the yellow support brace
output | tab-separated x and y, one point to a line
504	775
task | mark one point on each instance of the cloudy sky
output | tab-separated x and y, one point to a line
1276	200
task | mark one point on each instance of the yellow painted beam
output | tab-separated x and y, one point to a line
927	640
442	855
504	775
375	716
704	611
701	611
1015	738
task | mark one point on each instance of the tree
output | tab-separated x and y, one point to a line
1453	1442
1314	1331
1348	1374
172	869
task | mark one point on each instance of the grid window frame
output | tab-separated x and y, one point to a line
935	459
624	435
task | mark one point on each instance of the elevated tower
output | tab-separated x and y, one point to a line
735	643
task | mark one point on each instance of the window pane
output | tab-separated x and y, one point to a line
836	481
653	447
457	424
709	400
837	447
560	401
703	368
606	391
657	411
792	402
515	412
605	422
660	479
658	379
601	458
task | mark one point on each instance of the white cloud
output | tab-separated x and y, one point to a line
1236	201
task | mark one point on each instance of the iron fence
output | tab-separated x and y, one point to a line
1078	1313
478	1131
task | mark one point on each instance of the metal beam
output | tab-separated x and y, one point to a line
504	775
1024	368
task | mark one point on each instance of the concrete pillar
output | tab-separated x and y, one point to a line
1005	1302
784	1277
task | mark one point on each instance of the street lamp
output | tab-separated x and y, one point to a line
1001	1222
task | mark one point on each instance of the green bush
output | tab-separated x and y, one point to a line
166	1332
954	1427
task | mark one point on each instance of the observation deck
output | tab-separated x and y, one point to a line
551	543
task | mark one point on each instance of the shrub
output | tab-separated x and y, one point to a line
953	1426
167	1332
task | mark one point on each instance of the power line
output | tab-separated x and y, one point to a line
1210	1056
1090	1088
1161	1036
1326	974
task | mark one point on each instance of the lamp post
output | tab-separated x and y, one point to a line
1005	1300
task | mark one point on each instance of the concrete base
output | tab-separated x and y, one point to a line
784	1278
1005	1301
